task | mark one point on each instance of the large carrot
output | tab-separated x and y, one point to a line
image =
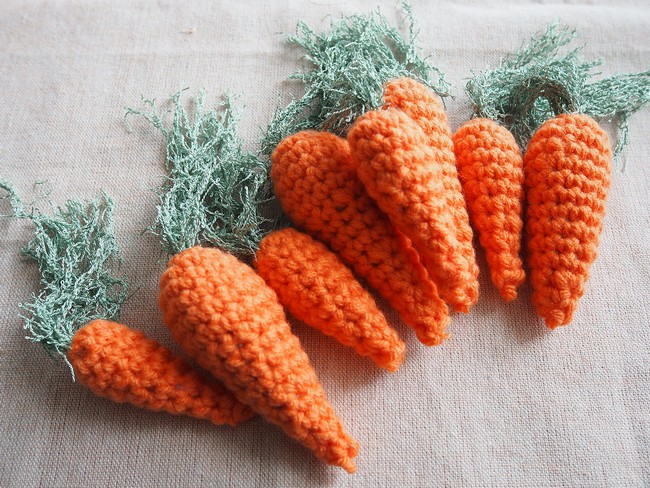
542	92
313	284
491	171
225	316
316	183
74	250
404	175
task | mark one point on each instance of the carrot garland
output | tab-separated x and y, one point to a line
546	99
75	249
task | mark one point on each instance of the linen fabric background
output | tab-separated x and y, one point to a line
505	402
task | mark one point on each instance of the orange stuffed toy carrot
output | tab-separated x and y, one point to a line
224	315
491	171
545	99
318	188
74	250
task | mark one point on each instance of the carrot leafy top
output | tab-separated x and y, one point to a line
214	190
349	66
76	252
543	79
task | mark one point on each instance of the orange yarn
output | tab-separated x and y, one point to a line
425	108
317	288
318	188
398	170
568	170
123	365
491	171
225	316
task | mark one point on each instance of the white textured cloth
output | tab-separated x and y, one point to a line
505	402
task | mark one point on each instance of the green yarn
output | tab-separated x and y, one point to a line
214	190
542	80
76	251
350	65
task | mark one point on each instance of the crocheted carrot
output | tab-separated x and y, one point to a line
74	250
317	288
491	171
224	315
318	188
567	162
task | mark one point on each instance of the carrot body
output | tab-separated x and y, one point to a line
318	188
398	170
426	109
123	365
227	319
317	288
491	171
568	169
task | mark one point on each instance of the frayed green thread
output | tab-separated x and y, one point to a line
76	250
350	65
214	190
541	81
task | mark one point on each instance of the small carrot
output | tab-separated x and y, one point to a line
317	288
545	98
402	173
318	188
74	250
491	171
225	316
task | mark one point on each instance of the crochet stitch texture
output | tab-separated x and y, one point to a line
326	295
316	183
123	365
491	171
425	107
568	170
224	315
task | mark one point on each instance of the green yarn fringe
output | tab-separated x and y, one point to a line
214	190
542	80
76	251
350	65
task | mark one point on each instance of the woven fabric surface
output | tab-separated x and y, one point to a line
503	402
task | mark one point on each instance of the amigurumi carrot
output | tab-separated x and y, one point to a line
74	249
567	163
319	190
224	315
491	171
326	295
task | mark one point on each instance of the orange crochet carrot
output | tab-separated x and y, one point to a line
75	249
402	173
317	288
491	171
568	171
316	184
225	316
123	365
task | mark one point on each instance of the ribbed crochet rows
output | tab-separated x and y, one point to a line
568	170
492	174
226	318
404	157
123	365
319	189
